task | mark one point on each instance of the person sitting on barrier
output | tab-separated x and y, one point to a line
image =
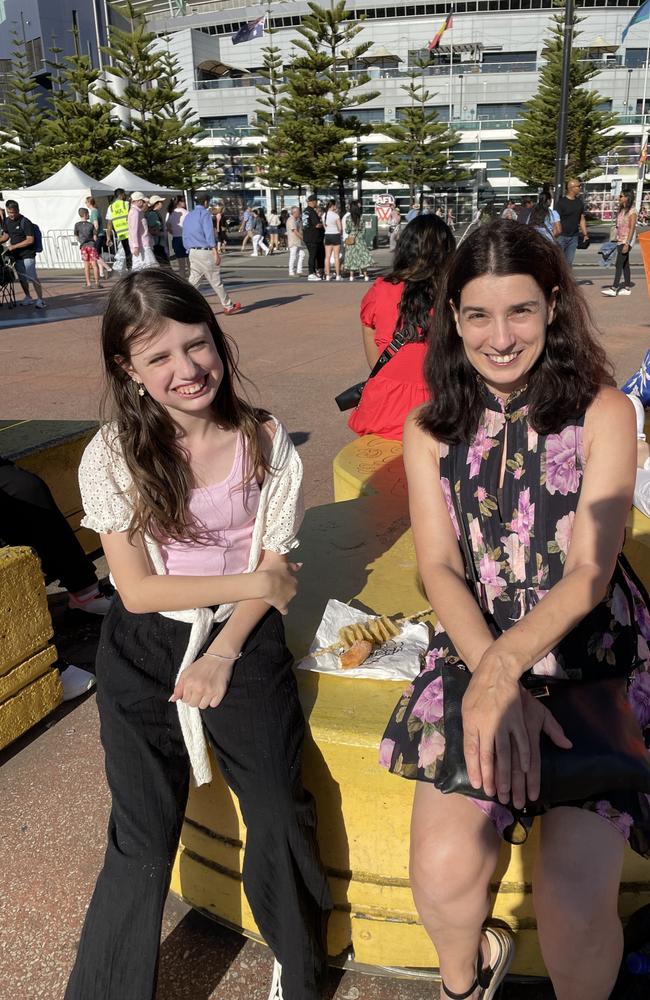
401	302
197	498
520	474
29	516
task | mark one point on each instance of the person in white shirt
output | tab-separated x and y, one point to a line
332	224
295	242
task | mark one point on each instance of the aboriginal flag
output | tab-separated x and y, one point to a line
254	29
437	38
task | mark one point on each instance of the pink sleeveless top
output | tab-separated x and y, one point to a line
226	512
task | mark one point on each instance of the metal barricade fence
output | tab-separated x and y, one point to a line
61	251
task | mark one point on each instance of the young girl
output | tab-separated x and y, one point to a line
332	223
197	498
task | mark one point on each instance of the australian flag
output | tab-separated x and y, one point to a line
254	29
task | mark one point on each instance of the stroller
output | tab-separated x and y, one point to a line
7	279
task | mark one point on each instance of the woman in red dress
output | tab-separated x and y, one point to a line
403	300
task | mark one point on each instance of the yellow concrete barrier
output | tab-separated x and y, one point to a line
29	687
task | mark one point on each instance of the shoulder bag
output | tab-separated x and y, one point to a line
608	753
351	397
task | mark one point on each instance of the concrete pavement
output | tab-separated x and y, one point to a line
300	344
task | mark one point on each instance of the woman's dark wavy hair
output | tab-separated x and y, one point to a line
573	365
422	253
137	309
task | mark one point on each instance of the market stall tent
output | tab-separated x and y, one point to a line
123	178
53	204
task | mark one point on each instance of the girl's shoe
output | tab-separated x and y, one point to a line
339	278
276	985
625	291
328	277
610	290
351	277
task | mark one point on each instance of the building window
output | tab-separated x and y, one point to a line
635	58
492	112
365	115
229	123
441	110
34	54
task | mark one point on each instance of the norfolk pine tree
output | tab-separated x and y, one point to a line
79	131
419	154
532	152
24	159
158	144
271	161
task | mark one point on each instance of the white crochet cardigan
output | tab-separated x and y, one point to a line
106	486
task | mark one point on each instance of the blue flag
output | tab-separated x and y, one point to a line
254	29
642	14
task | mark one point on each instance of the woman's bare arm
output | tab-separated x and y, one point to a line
437	550
369	345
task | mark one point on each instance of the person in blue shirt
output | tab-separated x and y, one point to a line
205	260
247	225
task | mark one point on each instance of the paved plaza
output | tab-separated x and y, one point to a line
300	344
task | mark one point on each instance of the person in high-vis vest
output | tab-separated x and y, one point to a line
117	221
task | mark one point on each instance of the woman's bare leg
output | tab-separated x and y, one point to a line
454	852
575	888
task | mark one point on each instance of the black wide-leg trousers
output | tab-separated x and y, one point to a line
257	735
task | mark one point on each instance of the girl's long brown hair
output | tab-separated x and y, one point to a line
148	438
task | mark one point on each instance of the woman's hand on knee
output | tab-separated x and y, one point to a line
204	683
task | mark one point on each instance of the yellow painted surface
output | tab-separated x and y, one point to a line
24	673
58	465
25	623
362	549
29	706
368	465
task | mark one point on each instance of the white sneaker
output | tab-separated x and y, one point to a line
351	277
39	304
276	985
27	301
313	277
328	277
625	291
96	604
611	291
292	274
339	278
76	682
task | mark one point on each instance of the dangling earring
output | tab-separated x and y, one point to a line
141	389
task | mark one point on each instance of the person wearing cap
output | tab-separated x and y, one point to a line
205	259
156	226
140	239
313	233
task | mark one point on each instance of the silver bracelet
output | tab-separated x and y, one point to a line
219	656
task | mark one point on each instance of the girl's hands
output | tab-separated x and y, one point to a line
204	683
502	723
281	584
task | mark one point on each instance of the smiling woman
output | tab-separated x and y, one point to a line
520	475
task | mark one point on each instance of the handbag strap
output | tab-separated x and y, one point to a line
389	352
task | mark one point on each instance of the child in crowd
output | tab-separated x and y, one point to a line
197	498
84	232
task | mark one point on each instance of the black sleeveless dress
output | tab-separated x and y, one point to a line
518	537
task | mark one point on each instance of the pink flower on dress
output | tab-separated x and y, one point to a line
443	449
564	532
524	517
516	553
489	577
476	535
446	492
500	815
548	666
431	659
518	473
643	650
479	450
639	697
481	494
621	821
431	747
643	620
386	748
533	438
494	422
563	452
429	706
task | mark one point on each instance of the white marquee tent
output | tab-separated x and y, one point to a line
54	205
123	178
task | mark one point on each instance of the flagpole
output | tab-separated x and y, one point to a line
451	78
644	131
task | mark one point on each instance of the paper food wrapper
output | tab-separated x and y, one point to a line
397	659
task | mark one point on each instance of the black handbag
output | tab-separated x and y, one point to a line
351	397
608	753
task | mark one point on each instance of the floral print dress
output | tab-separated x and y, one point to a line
518	537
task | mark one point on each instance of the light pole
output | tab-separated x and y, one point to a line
627	91
563	119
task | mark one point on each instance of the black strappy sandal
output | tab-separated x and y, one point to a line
490	979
